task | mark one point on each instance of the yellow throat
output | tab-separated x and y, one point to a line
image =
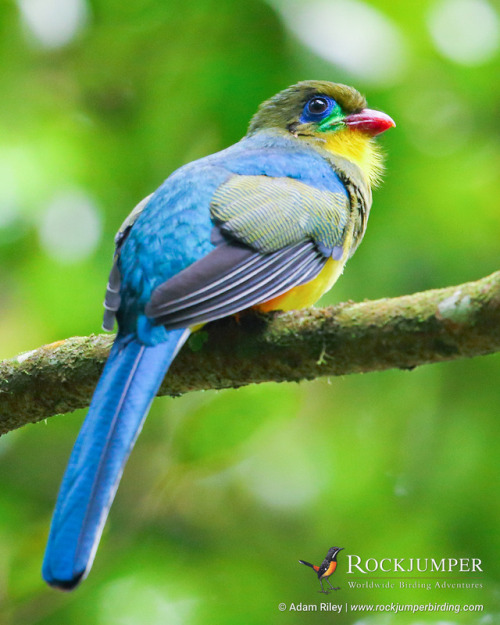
356	147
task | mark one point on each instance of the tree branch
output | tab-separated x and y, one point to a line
404	332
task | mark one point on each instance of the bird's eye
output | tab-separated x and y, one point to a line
317	106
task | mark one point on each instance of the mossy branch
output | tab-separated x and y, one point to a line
404	332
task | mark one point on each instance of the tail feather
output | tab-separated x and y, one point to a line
129	382
307	563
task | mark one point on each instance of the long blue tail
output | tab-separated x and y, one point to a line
129	382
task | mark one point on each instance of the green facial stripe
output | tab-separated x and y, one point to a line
336	118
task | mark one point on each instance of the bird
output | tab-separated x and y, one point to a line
265	224
326	568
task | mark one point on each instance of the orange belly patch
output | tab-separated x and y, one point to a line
330	570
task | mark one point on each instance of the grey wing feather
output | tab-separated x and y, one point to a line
112	299
229	279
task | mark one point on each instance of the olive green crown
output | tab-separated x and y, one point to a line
285	108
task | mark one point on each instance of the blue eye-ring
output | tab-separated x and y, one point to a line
317	108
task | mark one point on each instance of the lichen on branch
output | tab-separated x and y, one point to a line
404	332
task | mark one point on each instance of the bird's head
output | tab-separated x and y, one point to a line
330	116
332	552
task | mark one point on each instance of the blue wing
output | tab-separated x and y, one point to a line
280	212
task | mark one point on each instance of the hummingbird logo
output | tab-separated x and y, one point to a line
326	568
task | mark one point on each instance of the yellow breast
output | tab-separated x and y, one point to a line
307	294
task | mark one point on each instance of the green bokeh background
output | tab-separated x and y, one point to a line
226	491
